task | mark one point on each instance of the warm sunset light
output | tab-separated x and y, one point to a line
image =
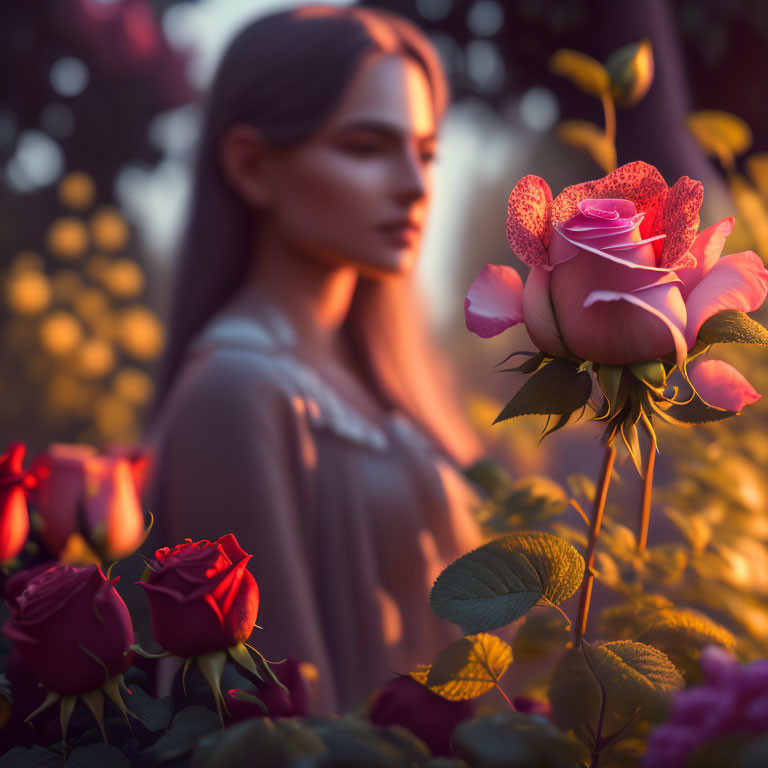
124	279
28	292
108	229
140	333
133	385
60	333
95	358
68	238
77	190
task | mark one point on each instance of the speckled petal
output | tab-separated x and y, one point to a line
528	220
681	221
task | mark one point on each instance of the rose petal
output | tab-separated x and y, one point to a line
721	385
706	249
494	301
540	321
681	219
738	281
639	182
639	340
528	220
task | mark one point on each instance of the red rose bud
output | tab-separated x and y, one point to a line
14	517
72	628
291	701
81	491
201	596
412	705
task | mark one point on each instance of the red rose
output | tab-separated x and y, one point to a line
412	705
66	618
78	489
201	597
14	518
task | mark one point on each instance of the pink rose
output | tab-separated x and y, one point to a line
14	517
201	596
80	490
619	275
70	625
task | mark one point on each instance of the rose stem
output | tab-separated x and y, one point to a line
594	532
645	512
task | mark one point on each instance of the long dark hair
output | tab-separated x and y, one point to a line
283	74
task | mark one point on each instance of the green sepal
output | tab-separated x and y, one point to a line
212	666
239	654
651	373
65	713
94	700
609	379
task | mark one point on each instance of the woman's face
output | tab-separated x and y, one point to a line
356	192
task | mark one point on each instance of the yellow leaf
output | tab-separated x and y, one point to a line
752	212
590	137
586	73
466	669
757	167
720	134
631	71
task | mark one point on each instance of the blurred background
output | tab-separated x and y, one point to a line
99	115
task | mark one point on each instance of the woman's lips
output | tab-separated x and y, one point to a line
402	234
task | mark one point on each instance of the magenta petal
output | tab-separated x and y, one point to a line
494	301
539	316
738	281
721	385
706	249
639	338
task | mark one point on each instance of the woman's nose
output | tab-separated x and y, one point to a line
411	177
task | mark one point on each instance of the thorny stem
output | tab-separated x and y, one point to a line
645	511
594	533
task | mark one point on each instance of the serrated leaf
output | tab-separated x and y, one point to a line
501	581
466	669
556	388
581	134
674	627
720	133
631	71
586	73
634	674
732	326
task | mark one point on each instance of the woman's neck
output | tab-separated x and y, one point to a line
315	297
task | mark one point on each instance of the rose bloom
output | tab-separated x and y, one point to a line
619	275
14	516
62	620
73	480
432	718
201	596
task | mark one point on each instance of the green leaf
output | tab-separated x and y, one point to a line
697	412
559	387
501	581
154	714
651	373
536	498
720	133
466	669
609	379
586	73
97	756
631	71
634	674
36	757
542	633
187	726
732	326
491	477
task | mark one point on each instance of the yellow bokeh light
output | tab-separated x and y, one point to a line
108	229
68	238
140	333
133	385
28	292
77	190
91	304
113	417
25	260
66	284
124	279
95	358
60	333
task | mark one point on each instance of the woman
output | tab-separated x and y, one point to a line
303	408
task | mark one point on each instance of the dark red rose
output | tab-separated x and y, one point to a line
64	619
14	517
201	596
292	702
412	705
